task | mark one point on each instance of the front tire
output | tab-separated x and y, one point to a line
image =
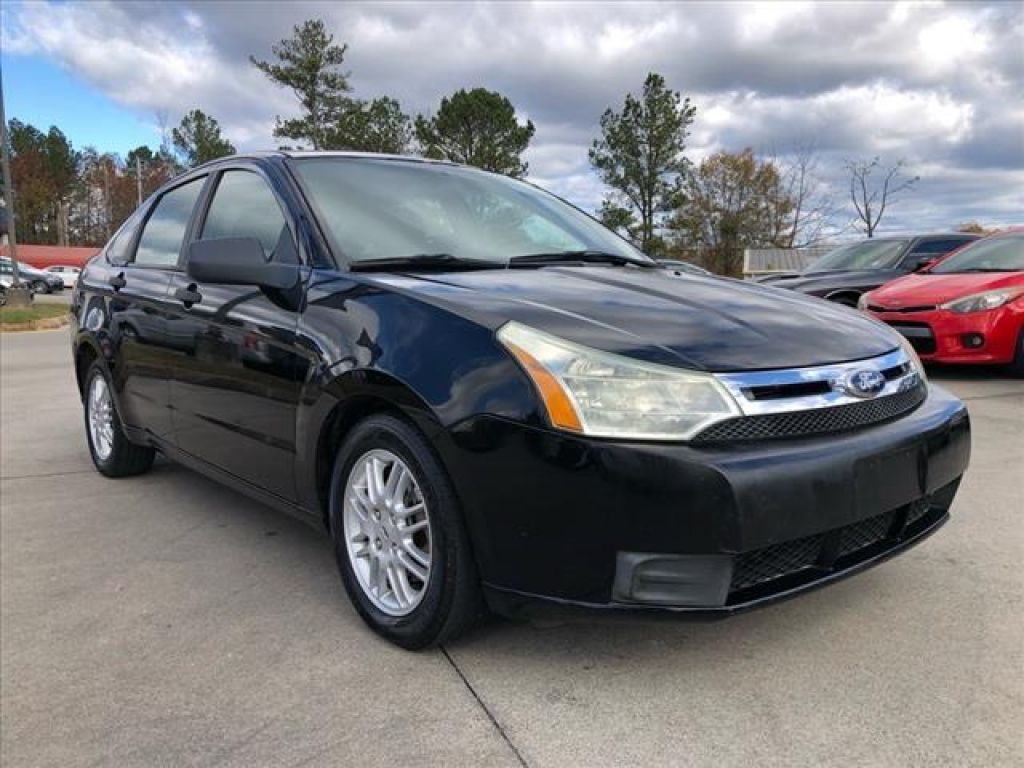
40	286
399	539
1017	366
112	453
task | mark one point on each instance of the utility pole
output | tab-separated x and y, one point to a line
18	294
106	194
138	180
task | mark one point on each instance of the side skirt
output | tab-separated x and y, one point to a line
312	519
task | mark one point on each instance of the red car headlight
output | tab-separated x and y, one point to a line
980	302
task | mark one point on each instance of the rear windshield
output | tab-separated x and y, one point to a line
868	254
1001	254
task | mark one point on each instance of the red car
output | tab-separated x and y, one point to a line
967	308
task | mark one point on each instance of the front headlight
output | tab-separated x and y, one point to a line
604	395
979	302
915	359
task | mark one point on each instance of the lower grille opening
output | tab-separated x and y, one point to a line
773	562
775	568
864	534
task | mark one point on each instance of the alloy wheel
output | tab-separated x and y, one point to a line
101	418
387	532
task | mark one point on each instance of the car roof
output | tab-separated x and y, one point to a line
925	236
310	153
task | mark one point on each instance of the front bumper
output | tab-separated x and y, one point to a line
704	530
941	336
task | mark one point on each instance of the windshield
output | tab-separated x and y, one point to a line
389	209
1000	254
868	254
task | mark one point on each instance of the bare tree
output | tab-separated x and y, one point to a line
806	206
870	197
163	124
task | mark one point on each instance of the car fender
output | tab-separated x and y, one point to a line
360	363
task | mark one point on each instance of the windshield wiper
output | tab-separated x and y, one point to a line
569	257
424	261
987	269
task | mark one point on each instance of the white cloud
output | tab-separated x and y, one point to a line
938	85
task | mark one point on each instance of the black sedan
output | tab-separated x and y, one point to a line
490	401
846	273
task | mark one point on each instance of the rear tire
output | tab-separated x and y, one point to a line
112	453
433	597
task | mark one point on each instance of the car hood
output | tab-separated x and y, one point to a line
703	323
928	290
836	278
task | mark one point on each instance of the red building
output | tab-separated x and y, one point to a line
42	256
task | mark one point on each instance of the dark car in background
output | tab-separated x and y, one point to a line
38	280
849	271
491	401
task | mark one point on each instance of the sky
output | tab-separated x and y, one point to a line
937	85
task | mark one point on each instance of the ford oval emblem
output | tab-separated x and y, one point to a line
864	383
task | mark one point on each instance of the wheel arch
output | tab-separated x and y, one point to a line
86	354
345	401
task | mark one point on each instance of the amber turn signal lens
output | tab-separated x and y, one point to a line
560	409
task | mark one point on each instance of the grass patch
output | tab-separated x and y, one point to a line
30	314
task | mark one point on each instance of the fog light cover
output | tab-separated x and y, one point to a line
691	581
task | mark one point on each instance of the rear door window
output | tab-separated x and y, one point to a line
164	230
938	247
933	249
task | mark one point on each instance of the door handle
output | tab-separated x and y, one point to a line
189	295
117	282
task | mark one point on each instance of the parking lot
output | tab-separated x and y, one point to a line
165	620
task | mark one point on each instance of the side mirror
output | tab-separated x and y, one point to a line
924	263
238	261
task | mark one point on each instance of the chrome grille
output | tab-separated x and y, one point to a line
817	421
817	400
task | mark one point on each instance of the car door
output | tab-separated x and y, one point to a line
134	277
237	379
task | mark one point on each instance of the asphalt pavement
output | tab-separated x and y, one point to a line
167	621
